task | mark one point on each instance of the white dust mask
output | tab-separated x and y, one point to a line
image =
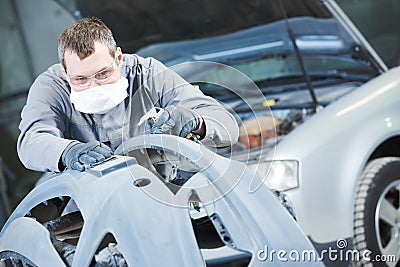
100	99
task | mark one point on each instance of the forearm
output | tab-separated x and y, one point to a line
41	152
219	126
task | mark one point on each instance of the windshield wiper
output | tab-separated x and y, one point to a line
341	75
299	57
315	76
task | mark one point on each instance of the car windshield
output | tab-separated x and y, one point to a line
278	73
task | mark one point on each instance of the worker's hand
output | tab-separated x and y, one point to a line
77	154
176	121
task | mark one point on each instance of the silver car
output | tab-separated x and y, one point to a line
319	118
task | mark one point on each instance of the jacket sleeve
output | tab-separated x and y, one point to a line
41	143
172	89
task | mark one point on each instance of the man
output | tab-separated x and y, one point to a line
79	111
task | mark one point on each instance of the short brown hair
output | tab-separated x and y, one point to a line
81	36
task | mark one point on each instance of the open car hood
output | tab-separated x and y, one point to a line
136	24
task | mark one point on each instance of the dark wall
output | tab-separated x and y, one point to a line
378	20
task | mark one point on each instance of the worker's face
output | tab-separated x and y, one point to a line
93	67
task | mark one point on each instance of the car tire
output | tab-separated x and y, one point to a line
377	213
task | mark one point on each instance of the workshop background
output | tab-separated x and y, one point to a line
28	45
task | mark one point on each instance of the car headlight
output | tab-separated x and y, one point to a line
277	174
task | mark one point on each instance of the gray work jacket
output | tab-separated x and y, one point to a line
49	121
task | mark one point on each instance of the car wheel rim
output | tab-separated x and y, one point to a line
387	220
